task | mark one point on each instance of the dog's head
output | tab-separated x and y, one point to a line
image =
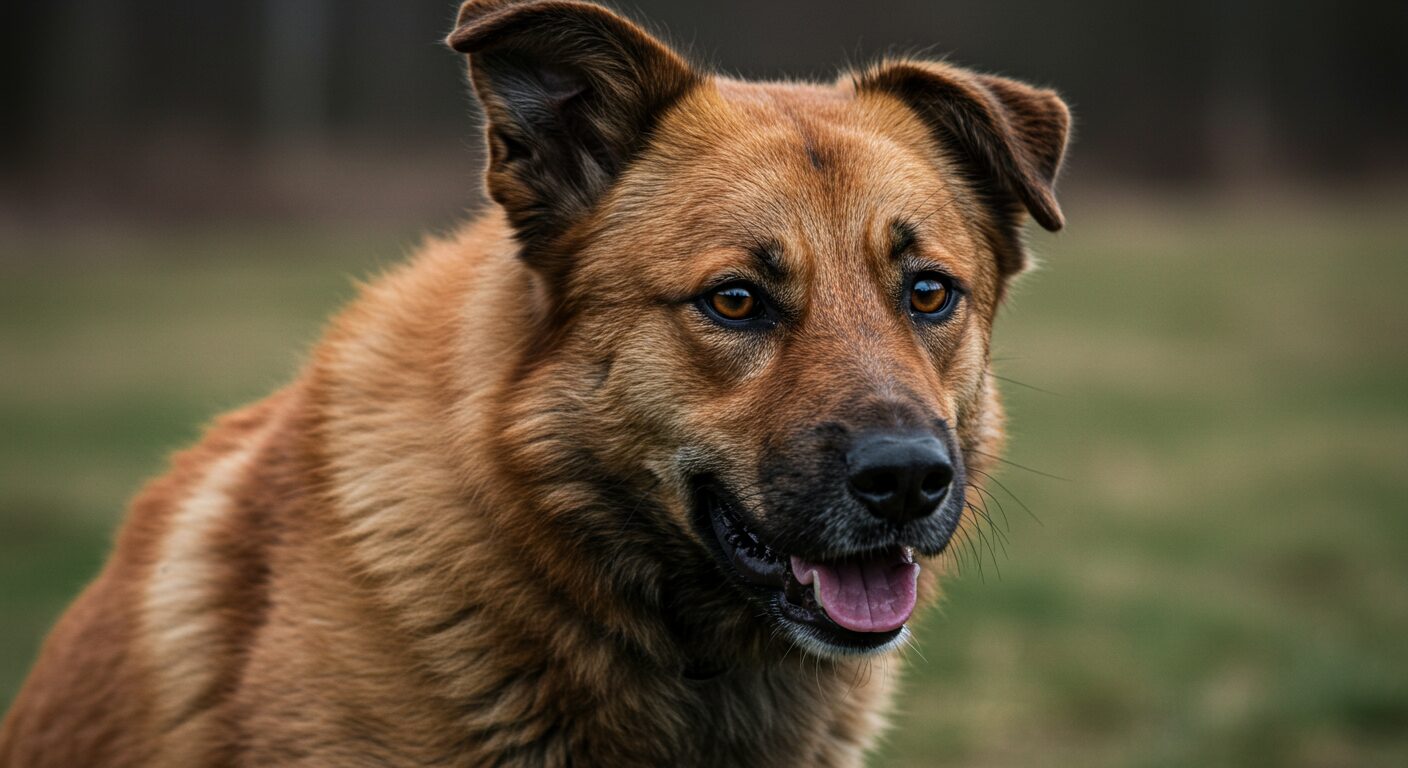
765	307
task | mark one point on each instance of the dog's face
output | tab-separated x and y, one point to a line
785	294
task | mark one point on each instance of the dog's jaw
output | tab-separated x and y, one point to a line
803	599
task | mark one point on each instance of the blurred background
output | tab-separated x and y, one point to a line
1199	553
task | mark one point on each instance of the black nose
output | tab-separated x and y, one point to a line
899	476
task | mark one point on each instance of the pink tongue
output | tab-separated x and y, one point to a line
872	595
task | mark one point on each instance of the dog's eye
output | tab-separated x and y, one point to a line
734	303
931	296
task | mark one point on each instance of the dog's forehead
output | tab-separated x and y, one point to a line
741	164
781	138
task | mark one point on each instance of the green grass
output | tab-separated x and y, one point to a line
1221	578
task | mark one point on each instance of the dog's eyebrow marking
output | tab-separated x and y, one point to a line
768	257
902	238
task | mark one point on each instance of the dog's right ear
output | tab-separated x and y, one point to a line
1011	136
570	92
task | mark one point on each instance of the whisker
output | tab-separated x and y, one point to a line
1019	466
1002	542
1013	495
967	539
998	535
938	210
1032	387
992	553
989	497
914	643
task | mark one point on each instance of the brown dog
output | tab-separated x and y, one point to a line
640	468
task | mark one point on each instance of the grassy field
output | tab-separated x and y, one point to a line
1220	576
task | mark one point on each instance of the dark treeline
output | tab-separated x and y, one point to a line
1188	91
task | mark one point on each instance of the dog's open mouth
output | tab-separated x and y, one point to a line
855	604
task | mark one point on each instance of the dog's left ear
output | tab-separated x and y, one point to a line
570	91
1010	135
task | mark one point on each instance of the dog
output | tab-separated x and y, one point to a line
650	463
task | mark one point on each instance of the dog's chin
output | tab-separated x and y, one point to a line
856	605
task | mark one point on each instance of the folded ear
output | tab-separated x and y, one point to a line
570	92
1010	136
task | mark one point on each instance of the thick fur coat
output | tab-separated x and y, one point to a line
473	531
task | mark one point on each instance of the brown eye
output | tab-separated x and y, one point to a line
929	296
734	302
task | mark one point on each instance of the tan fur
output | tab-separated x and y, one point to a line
460	537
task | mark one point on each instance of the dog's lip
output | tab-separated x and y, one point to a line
793	586
755	562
